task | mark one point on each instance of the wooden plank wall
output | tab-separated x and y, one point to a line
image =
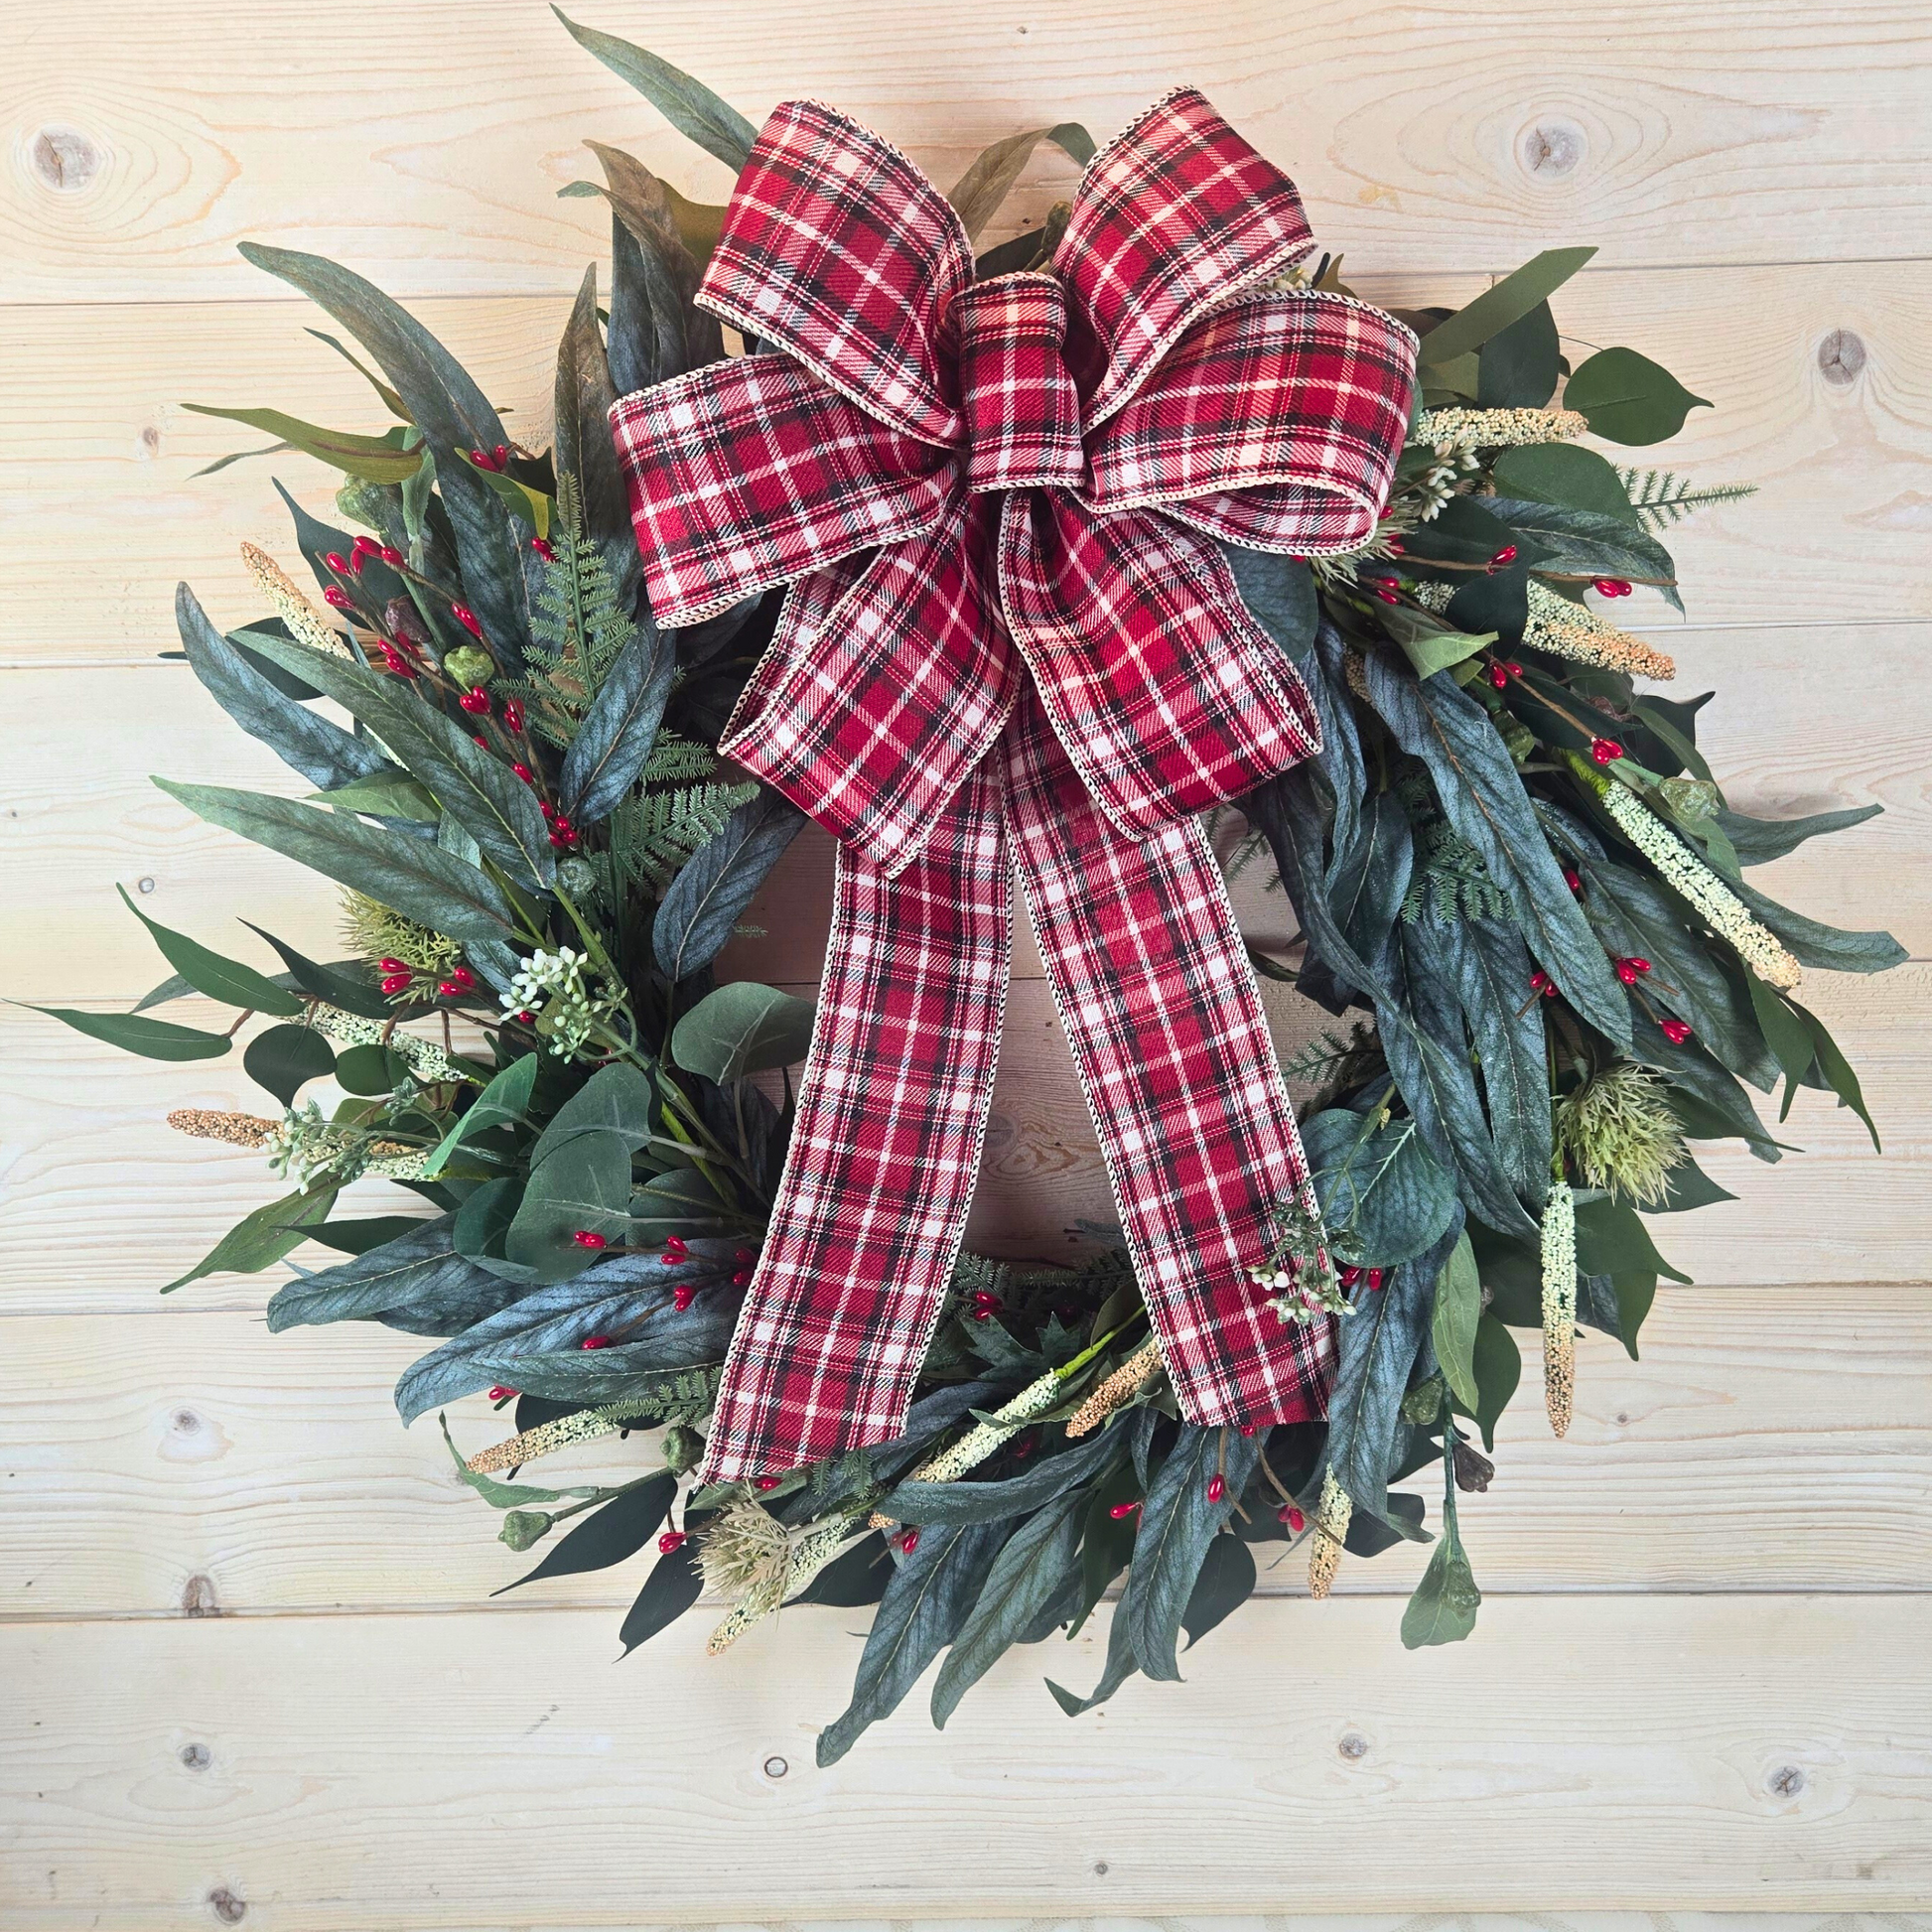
251	1669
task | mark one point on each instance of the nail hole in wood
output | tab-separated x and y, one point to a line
1100	1870
64	158
1353	1744
1841	355
197	1757
144	885
150	438
1786	1781
229	1909
775	1767
198	1598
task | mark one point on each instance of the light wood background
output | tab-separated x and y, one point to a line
251	1670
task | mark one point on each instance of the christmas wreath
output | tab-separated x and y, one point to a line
1519	886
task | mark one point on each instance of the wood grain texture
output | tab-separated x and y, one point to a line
86	1146
187	1457
403	1771
1825	400
142	144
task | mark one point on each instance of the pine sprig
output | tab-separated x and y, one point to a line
1662	498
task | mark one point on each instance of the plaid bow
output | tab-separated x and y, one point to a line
1012	641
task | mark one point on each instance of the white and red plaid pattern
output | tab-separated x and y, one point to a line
1010	641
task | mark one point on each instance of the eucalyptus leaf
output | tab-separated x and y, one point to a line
611	1534
1629	398
505	1102
1496	308
261	1239
284	1059
742	1028
1443	1607
580	1174
1565	474
135	1033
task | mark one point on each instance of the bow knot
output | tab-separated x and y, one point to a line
1016	392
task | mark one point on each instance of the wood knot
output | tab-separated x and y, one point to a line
1786	1781
198	1598
1840	357
64	158
1549	149
1353	1744
198	1757
229	1909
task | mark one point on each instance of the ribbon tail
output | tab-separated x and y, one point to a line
891	1116
1154	992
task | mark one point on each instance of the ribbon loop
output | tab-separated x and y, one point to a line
1021	410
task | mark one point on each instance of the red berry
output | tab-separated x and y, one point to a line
1610	587
503	455
742	1279
1674	1031
523	772
1248	1428
338	598
513	713
1373	1280
1216	1488
1024	1447
391	556
595	1342
1541	981
589	1238
671	1539
447	989
337	563
683	1296
393	965
1348	1277
1627	972
393	983
464	977
1605	751
1120	1511
674	1246
1515	669
527	1016
476	700
469	619
364	546
768	1482
1394	546
1642	965
498	1393
1293	1517
1573	879
1503	557
908	1543
477	738
484	460
541	546
1385	594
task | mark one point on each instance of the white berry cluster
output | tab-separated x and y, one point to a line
569	1006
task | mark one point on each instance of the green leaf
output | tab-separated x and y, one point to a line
1565	474
1613	1240
388	794
676	1582
285	1058
503	1103
1462	531
377	458
1587	543
1177	1524
408	875
1433	647
1784	1032
1279	592
417	1273
325	754
474	786
1823	946
347	984
368	1070
584	397
1443	1607
1629	398
1119	1667
1382	1185
261	1239
1498	1369
922	1610
1519	366
1459	1309
1490	967
1227	1581
742	1028
1757	841
609	1535
992	1502
690	106
1026	1575
977	194
507	1495
1837	1069
214	976
715	885
134	1033
619	729
1496	308
364	1236
580	1174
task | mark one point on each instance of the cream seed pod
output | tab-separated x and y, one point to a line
423	1057
1332	1518
1560	1305
305	624
1498	428
237	1129
983	1437
1120	1387
1567	630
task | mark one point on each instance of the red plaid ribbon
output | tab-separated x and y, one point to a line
1011	642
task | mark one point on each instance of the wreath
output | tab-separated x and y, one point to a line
1520	889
